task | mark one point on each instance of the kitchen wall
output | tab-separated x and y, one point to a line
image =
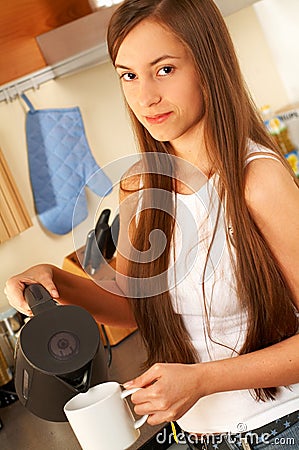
256	59
282	35
96	91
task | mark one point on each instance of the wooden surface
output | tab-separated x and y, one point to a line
14	217
71	264
21	21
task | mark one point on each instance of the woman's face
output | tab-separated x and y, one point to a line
160	83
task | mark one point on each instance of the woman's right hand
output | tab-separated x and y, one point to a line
14	287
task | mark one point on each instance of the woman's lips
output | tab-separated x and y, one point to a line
158	118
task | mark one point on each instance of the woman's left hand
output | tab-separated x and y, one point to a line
169	391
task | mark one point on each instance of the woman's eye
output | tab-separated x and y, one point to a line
129	76
166	70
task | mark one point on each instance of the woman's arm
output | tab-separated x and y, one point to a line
172	389
106	300
107	303
108	306
273	200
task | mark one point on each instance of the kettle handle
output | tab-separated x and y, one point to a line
38	298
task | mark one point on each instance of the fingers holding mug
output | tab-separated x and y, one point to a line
138	423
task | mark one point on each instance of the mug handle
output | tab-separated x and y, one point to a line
137	423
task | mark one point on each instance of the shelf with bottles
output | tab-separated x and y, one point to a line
279	130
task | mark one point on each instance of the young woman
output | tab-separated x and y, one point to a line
210	215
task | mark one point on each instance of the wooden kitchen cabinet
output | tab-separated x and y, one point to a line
71	264
14	217
21	21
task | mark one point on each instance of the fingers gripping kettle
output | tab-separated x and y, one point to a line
58	354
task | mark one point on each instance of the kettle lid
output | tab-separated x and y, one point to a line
61	340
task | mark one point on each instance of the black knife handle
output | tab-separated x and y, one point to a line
88	246
97	253
112	239
104	218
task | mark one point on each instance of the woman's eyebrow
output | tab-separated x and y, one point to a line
162	58
154	62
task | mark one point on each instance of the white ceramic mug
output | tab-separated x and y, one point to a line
101	418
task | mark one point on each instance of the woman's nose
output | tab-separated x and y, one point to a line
148	93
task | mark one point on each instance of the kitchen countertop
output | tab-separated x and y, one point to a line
24	431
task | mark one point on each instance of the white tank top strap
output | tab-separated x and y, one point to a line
261	153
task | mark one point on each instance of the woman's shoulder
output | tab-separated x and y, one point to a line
268	180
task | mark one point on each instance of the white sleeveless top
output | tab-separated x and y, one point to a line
225	411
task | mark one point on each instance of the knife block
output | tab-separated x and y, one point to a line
71	264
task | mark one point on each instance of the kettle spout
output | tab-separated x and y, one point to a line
79	380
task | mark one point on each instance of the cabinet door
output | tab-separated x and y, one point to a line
21	21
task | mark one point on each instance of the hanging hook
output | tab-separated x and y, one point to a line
6	95
18	92
11	93
34	84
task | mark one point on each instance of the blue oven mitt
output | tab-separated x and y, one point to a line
61	165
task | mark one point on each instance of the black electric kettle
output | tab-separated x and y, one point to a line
58	354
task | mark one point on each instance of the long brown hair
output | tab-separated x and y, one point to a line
231	119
